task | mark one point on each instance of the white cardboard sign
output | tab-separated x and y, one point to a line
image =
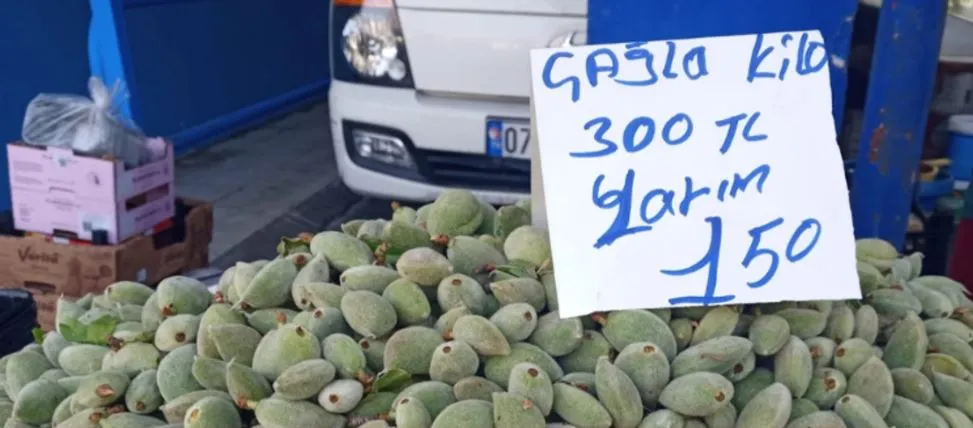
692	172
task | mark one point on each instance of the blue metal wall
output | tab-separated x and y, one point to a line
198	70
899	93
43	43
615	21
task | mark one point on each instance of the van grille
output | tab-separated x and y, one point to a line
479	172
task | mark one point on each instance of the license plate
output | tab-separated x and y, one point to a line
508	138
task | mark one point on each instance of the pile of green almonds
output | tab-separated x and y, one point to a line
447	316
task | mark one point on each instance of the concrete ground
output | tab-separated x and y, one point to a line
276	180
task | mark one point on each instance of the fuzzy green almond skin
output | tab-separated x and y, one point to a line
469	413
410	412
769	333
801	407
317	269
458	290
488	224
284	347
954	417
623	328
528	243
513	290
424	266
345	354
716	323
411	304
817	419
370	232
827	386
618	394
401	236
368	314
769	408
912	384
455	212
508	219
663	418
434	395
210	373
851	354
368	277
531	382
411	349
212	412
216	314
907	346
793	366
469	255
176	331
873	382
515	411
235	342
482	335
954	392
174	411
648	368
175	375
129	292
517	321
453	361
593	346
341	250
556	336
856	412
475	387
275	412
305	379
183	295
271	287
142	395
245	384
697	394
76	360
727	351
579	408
37	401
905	412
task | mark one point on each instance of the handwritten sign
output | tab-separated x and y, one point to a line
692	172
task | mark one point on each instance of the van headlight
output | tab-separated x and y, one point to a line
371	42
372	46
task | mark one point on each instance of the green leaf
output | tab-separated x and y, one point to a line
392	381
517	270
95	333
392	255
38	335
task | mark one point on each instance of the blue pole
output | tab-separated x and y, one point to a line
900	90
108	50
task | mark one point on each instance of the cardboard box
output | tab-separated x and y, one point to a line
49	269
56	191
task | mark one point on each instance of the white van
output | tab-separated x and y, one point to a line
433	94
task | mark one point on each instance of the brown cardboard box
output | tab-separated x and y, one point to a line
49	269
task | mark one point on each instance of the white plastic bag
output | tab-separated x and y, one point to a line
89	126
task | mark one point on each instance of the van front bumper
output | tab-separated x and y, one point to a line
444	137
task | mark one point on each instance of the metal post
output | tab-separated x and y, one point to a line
108	52
900	90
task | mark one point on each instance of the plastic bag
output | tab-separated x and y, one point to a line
88	126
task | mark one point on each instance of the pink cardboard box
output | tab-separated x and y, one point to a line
56	191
